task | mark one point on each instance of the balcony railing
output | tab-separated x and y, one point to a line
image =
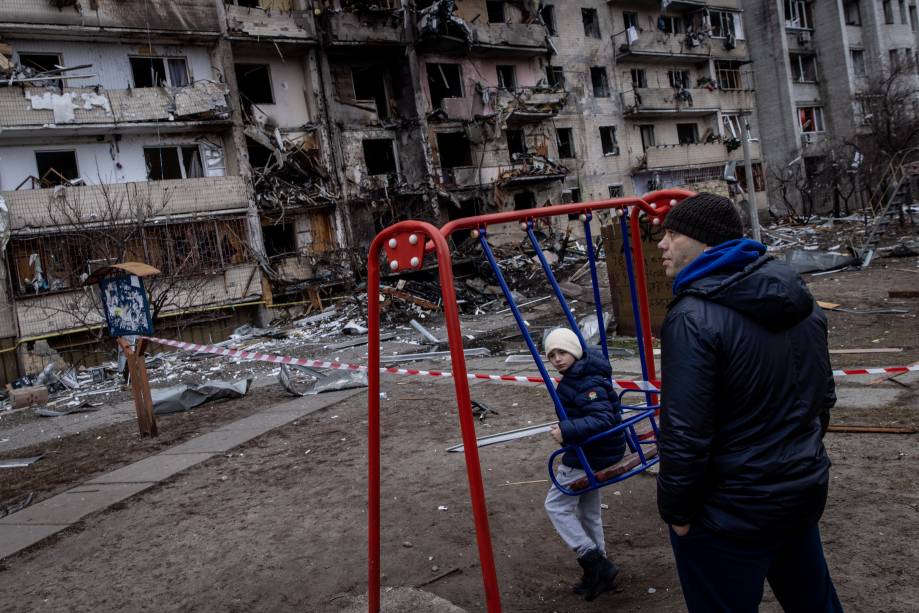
34	209
124	18
700	154
377	27
662	102
521	38
259	23
38	108
657	46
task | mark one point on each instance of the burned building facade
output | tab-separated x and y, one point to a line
253	148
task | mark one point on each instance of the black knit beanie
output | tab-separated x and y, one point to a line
708	218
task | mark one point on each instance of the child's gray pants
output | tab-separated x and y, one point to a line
576	518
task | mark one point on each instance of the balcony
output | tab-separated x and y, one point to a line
366	28
124	19
530	104
31	111
532	169
683	6
32	209
700	154
656	47
662	102
506	39
260	24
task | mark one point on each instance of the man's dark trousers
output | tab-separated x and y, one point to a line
719	574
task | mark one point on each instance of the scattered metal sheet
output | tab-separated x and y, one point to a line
337	380
83	407
425	333
184	397
21	462
522	358
503	437
17	505
359	341
411	357
803	261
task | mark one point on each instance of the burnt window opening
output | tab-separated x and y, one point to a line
629	20
380	156
571	195
600	81
524	200
555	76
179	162
507	77
280	239
547	12
369	84
591	23
453	149
679	79
159	71
608	140
254	83
495	12
687	133
42	62
616	191
259	155
516	143
466	208
647	135
444	81
565	140
56	167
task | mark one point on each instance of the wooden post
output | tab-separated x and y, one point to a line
140	386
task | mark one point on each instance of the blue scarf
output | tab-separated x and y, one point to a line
730	256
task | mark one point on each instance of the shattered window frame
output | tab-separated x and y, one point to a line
240	67
648	138
727	73
803	67
564	140
58	177
853	12
555	76
616	190
547	13
798	15
454	158
858	62
516	142
186	155
629	20
810	119
673	24
679	78
26	59
591	20
435	70
609	143
506	72
687	133
599	80
372	164
639	78
495	11
167	63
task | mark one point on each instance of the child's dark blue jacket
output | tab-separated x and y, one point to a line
592	407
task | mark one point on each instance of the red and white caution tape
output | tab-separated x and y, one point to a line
645	386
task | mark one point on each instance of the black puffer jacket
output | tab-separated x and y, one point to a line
747	388
592	407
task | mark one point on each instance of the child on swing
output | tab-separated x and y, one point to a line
592	407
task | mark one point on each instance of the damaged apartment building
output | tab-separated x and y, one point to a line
251	149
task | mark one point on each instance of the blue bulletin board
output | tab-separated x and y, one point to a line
126	307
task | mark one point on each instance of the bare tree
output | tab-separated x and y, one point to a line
888	106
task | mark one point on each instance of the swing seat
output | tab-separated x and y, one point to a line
626	464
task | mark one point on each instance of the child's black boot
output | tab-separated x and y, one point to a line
599	574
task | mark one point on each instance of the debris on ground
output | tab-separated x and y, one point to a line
291	379
21	462
185	397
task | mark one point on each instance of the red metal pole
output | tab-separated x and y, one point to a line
373	426
643	307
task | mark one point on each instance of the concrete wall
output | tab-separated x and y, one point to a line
173	16
288	85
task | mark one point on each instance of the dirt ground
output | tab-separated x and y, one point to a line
280	523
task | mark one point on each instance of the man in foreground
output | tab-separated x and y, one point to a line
747	388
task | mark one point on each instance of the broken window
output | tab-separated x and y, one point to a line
254	83
858	62
629	20
379	156
903	18
507	77
723	24
647	135
179	162
728	74
524	200
516	143
591	23
159	71
732	126
547	12
671	24
42	62
853	13
444	81
894	59
608	140
810	118
803	67
913	17
453	149
56	167
616	191
495	12
798	14
600	81
565	139
555	76
679	79
280	239
639	78
687	133
759	181
571	195
369	84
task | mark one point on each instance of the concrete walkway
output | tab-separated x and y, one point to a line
37	522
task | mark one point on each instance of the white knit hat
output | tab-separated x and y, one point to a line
566	340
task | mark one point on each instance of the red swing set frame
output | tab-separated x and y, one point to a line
405	244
